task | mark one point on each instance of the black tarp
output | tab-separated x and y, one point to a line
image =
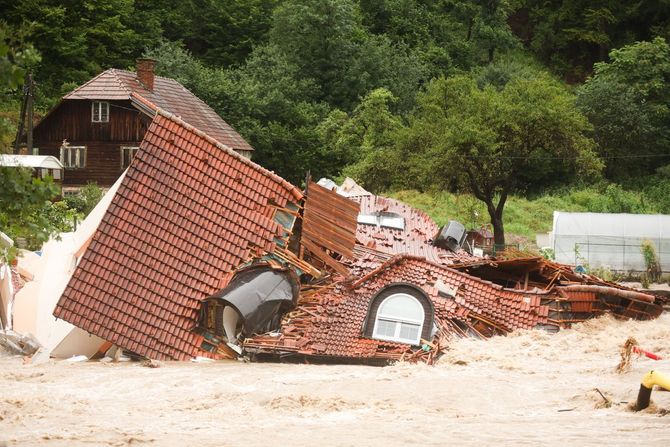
260	295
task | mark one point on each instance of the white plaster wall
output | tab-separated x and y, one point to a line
35	303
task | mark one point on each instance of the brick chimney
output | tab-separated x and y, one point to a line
145	72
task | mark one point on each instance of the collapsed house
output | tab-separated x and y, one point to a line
409	308
201	252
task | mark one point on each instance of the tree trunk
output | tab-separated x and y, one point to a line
496	216
487	196
498	230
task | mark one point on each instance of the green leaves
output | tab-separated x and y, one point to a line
26	210
628	103
490	140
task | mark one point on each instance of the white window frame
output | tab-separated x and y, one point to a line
387	220
132	151
399	320
97	109
73	157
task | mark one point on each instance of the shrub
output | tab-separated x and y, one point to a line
651	262
86	199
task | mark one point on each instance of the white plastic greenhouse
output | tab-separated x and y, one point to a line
610	240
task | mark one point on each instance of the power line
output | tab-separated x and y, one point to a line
577	157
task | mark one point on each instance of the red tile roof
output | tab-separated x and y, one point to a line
185	215
329	323
169	95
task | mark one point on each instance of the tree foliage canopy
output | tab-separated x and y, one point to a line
628	102
491	140
398	93
488	140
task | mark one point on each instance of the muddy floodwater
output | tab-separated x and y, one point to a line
527	389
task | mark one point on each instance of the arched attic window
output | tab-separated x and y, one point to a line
401	313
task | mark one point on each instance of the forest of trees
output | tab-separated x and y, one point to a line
492	97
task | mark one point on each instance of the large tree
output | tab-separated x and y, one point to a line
329	44
570	36
488	140
220	33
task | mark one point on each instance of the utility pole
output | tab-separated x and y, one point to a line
26	108
31	94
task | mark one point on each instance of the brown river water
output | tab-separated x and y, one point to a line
526	389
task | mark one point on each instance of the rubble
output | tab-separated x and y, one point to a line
18	344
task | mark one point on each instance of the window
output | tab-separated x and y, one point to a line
400	318
127	155
73	157
100	112
389	220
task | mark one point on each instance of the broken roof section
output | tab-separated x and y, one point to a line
390	226
337	322
189	211
340	321
329	223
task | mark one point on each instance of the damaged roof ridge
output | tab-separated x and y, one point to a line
173	117
371	196
407	257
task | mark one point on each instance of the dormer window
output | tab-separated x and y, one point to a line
388	220
100	112
399	318
400	313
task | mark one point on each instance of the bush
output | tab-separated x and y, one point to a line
644	280
86	199
548	253
651	262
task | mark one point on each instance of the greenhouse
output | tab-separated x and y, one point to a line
610	240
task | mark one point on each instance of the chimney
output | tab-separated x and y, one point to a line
145	72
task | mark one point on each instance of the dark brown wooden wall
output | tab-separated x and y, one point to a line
103	162
71	120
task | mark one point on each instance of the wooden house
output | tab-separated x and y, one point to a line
96	129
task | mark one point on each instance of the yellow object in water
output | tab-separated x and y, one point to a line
656	378
648	381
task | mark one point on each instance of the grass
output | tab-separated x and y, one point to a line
523	218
